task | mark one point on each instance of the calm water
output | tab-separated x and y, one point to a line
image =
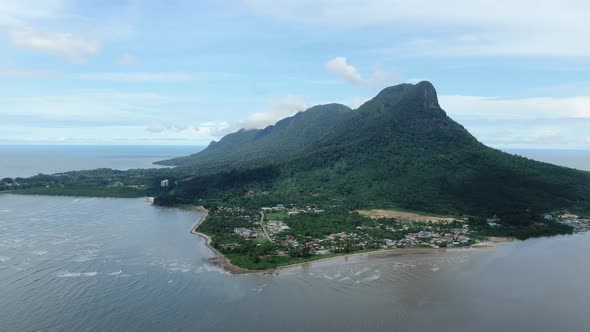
27	160
83	264
88	264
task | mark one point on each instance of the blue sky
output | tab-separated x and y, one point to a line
187	72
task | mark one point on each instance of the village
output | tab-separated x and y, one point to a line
278	226
579	225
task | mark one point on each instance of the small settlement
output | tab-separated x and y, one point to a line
259	238
578	224
280	225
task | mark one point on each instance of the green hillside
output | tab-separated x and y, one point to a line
286	138
399	149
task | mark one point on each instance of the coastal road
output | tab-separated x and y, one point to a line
263	227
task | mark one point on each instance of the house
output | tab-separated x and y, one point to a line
569	216
243	232
493	224
548	217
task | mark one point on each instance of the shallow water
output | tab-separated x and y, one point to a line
88	264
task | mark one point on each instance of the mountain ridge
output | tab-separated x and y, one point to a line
288	135
400	149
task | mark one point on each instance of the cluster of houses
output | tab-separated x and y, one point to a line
291	210
578	224
243	232
432	238
429	236
403	235
277	226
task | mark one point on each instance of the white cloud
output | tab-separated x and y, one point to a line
522	122
214	129
342	68
56	27
83	108
28	73
128	59
516	108
137	76
524	27
101	116
61	44
158	127
278	109
16	12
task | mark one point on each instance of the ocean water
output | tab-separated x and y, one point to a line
28	160
95	264
579	159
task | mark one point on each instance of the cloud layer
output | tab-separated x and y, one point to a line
61	44
523	122
454	27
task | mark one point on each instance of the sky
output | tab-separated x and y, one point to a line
185	72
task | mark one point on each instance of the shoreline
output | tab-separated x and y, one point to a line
225	263
220	259
381	253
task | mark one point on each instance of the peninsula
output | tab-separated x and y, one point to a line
331	180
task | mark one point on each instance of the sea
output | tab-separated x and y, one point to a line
99	264
29	160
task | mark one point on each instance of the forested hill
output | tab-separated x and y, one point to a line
399	149
287	137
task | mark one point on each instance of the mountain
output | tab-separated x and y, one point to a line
287	137
399	150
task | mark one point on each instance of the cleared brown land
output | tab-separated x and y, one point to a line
403	216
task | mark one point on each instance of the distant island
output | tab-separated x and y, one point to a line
332	180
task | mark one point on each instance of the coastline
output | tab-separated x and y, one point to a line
225	263
377	254
222	261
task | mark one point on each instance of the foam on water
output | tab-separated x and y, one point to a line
371	278
77	274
